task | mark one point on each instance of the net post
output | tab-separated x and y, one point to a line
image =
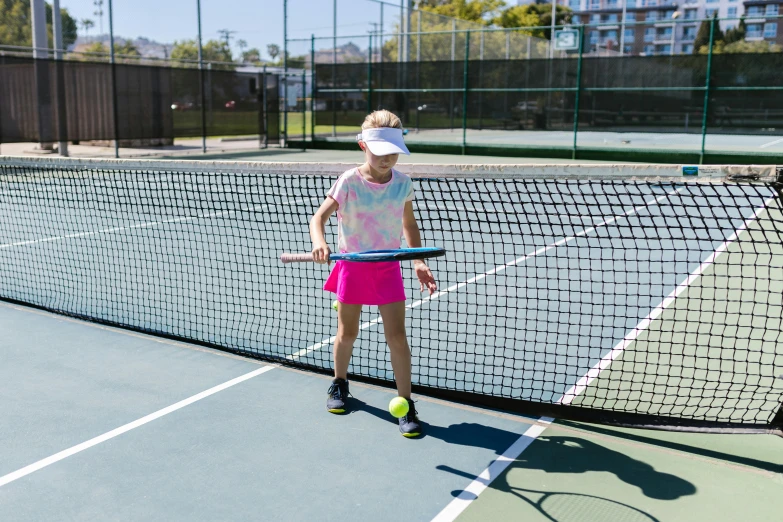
777	421
312	87
707	92
578	89
465	94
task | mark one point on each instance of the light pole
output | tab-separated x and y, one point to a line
552	31
675	14
622	29
201	82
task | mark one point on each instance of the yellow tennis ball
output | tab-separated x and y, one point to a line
398	407
334	306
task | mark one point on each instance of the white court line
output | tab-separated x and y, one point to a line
454	508
771	143
149	224
493	471
16	475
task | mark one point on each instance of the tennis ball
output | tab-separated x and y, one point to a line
398	407
334	306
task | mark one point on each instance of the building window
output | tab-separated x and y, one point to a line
755	10
690	14
629	34
689	34
772	9
732	11
595	4
664	49
649	49
611	17
663	32
630	3
753	31
687	48
594	37
611	3
711	1
651	16
649	34
770	30
628	49
596	18
709	13
575	4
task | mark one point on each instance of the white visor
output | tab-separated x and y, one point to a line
384	141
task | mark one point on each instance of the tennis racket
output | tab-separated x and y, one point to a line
401	254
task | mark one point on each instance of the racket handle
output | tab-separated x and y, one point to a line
296	258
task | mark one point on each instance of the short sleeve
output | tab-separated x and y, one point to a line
410	195
339	191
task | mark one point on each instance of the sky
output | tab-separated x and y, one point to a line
258	22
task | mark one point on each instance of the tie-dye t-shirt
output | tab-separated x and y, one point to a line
369	216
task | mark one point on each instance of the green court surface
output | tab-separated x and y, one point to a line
701	360
587	473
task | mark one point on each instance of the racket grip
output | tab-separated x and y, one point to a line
296	258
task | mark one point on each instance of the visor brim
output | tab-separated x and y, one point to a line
384	148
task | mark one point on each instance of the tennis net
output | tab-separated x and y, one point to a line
636	295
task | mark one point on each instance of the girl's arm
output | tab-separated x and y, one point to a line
410	229
317	223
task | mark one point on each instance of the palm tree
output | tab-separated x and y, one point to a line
242	46
86	24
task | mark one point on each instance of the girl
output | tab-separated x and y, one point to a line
374	207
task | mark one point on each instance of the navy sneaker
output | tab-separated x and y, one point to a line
338	395
409	423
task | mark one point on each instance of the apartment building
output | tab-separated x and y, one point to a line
655	31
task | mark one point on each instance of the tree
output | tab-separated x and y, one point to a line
252	55
273	50
86	24
242	44
479	11
213	51
127	49
742	47
534	15
737	34
702	37
519	16
702	42
94	52
16	28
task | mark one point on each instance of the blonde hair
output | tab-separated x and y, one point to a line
381	119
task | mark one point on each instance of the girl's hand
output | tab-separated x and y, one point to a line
321	253
424	274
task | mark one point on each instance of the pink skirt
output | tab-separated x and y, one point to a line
366	283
